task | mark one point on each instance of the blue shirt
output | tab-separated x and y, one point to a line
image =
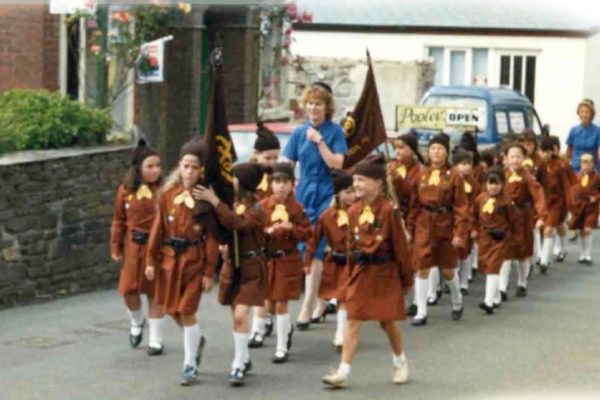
584	140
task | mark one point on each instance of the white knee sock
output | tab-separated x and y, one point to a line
505	275
475	256
523	267
557	246
421	286
583	246
457	298
434	282
588	246
155	338
342	318
464	272
258	324
283	329
240	346
191	339
137	319
546	251
491	289
537	243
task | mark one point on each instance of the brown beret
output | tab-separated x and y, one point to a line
373	166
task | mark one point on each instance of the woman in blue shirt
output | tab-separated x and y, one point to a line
318	145
585	137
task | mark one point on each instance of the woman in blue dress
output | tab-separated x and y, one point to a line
585	137
317	145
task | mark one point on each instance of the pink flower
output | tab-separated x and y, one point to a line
92	24
284	60
287	43
306	17
153	61
288	31
121	16
274	81
95	49
292	9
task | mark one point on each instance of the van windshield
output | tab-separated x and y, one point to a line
460	102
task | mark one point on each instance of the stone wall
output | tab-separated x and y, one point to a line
397	82
55	215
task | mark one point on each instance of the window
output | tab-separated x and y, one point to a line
517	71
459	66
517	121
501	122
437	53
480	67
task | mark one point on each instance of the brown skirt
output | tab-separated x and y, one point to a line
132	278
247	286
584	215
557	214
492	254
285	276
334	280
521	244
429	252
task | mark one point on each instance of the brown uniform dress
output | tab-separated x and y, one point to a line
566	165
555	182
584	212
284	261
264	189
529	205
252	289
439	212
479	174
532	164
493	214
376	290
179	276
472	189
336	270
133	213
404	177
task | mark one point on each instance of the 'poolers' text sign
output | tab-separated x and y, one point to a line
435	118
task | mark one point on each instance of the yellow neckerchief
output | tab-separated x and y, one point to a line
143	192
468	187
434	177
280	214
342	218
264	183
489	206
585	180
528	162
240	209
514	177
366	216
401	171
186	198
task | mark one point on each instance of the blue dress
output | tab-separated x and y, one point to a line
315	188
584	140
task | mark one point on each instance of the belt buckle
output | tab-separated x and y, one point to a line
280	253
251	254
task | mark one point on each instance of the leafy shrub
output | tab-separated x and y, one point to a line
38	119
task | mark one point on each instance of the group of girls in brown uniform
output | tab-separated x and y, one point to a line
388	228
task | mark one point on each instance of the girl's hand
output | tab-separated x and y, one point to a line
205	194
150	272
207	284
458	242
286	225
313	135
116	257
539	224
307	269
474	235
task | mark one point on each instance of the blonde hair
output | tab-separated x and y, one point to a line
173	179
319	93
589	104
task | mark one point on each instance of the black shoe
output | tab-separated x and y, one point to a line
543	268
438	296
302	326
537	261
561	257
582	261
521	291
256	340
289	341
155	351
338	348
411	310
330	309
269	326
247	367
503	295
280	357
135	340
473	273
201	346
488	309
419	321
320	318
589	262
497	305
457	314
464	291
573	237
236	377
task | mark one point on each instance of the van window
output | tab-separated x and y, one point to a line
460	102
517	121
501	122
533	122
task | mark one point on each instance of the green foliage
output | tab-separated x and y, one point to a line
38	119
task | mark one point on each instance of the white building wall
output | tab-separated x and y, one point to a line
591	82
560	62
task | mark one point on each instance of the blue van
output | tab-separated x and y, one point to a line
502	111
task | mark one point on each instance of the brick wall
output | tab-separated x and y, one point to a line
28	47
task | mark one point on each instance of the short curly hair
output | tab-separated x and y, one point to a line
320	93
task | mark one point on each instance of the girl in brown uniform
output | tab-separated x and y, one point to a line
266	153
584	210
554	179
380	271
494	221
532	162
438	223
244	285
287	225
135	207
333	224
182	255
529	209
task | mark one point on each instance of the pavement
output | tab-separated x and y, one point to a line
546	345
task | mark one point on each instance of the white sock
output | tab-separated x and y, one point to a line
475	257
191	339
421	286
155	337
457	298
562	240
344	369
537	243
241	353
342	318
434	282
258	324
283	329
464	272
137	319
588	246
556	248
546	251
582	246
523	267
505	275
491	289
398	360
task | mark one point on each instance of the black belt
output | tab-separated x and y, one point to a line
139	237
339	258
251	254
496	234
441	210
280	253
371	259
180	245
523	206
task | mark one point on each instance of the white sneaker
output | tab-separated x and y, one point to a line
400	373
336	379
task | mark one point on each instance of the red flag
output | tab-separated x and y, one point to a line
364	127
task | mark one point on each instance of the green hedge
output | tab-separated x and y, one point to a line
38	119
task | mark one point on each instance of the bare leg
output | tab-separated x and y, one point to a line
351	341
311	288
